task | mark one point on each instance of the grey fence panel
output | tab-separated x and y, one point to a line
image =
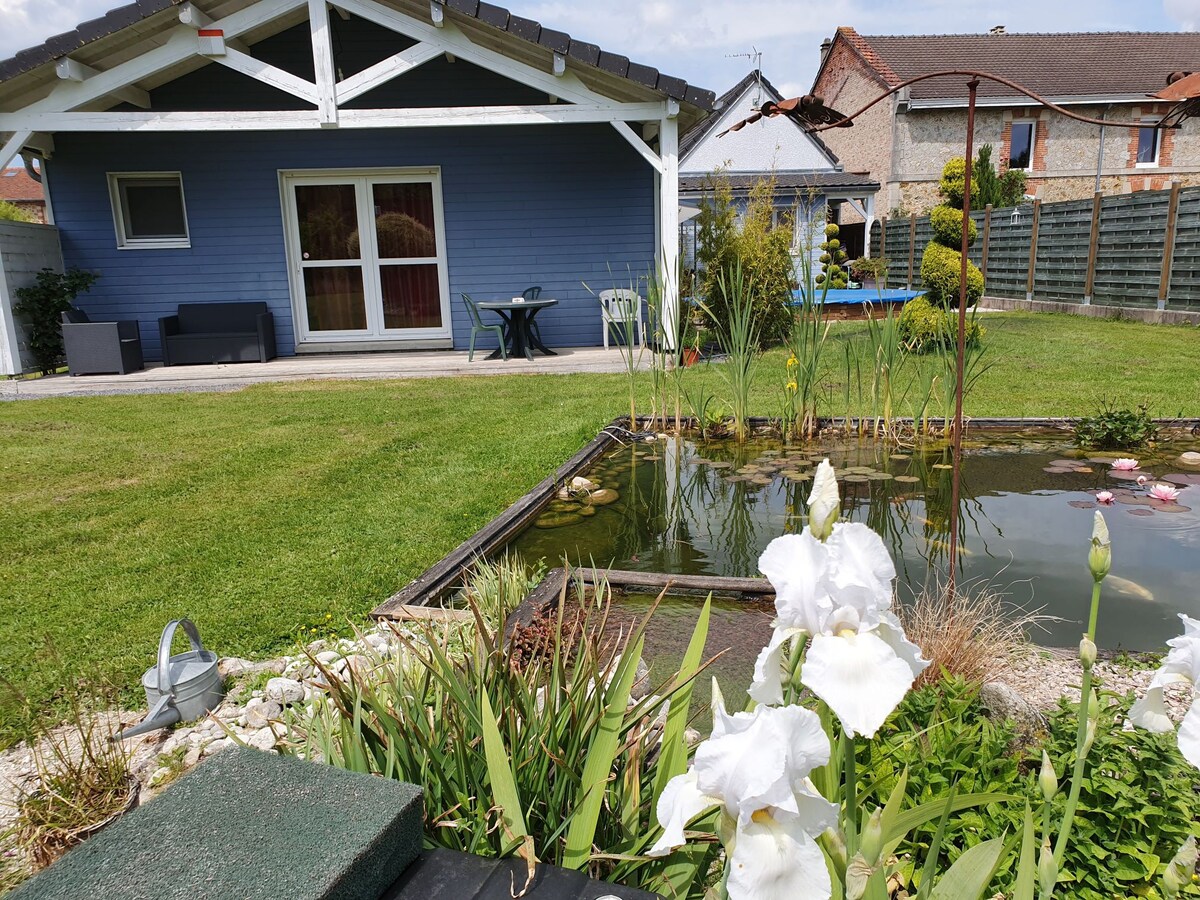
1008	254
1129	257
1064	234
1184	291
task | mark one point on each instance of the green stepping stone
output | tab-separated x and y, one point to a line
252	826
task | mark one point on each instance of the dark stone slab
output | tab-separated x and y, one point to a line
253	826
558	41
447	875
496	16
524	28
584	52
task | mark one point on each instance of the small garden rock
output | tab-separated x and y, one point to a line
1003	704
284	691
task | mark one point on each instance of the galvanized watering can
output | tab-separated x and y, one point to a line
181	687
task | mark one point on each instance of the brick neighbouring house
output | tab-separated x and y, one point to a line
23	192
904	141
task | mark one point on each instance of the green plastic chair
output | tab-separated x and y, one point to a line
478	326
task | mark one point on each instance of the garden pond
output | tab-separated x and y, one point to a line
695	507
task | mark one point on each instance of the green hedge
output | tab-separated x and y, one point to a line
924	327
940	271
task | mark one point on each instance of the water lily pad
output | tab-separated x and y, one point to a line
770	453
880	476
1170	507
1082	504
1064	463
798	476
557	520
908	479
761	479
1133	500
1056	470
1105	460
603	497
1126	475
1086	470
1190	458
1182	478
1140	512
720	464
855	479
941	466
901	456
734	479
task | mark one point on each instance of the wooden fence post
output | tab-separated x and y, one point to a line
912	247
1033	241
987	236
1089	282
1164	280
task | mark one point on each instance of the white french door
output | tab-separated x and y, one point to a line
367	255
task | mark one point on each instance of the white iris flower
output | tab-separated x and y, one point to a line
755	767
839	594
1181	665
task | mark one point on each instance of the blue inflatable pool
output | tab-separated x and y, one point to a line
860	295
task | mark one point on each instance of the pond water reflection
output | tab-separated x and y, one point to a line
693	507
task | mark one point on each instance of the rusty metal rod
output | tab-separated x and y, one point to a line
974	75
956	472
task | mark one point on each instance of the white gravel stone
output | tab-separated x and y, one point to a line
284	691
260	712
263	739
328	657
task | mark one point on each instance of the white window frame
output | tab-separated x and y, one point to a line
116	198
1033	127
363	179
1145	123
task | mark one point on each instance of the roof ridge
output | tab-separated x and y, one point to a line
863	46
985	34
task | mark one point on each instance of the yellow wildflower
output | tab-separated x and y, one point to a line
792	386
792	362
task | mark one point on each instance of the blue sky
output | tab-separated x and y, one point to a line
699	39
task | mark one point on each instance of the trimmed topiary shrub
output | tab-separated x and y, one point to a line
925	326
940	271
954	175
833	261
947	226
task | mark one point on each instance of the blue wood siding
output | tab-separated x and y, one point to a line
556	206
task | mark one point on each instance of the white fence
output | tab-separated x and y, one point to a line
25	249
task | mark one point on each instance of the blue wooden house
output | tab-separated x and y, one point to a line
357	166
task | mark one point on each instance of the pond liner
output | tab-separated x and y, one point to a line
447	573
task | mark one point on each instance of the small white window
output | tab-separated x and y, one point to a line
1020	145
148	210
1147	147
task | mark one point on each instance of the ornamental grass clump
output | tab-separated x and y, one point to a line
557	760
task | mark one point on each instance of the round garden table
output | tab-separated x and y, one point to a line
518	319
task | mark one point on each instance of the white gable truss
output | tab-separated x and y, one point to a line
70	104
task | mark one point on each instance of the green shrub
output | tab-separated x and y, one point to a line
759	246
42	304
833	259
947	227
941	268
1006	190
954	176
925	327
10	212
1116	428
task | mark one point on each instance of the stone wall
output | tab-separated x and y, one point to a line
847	85
1065	157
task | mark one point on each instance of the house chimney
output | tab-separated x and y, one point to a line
997	29
825	45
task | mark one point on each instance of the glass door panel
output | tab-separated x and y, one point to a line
328	219
412	296
335	299
404	220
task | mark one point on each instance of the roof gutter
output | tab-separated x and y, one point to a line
1015	100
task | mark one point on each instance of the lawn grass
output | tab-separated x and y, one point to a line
284	506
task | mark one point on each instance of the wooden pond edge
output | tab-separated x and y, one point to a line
447	573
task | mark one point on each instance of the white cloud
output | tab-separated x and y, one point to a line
1184	12
28	22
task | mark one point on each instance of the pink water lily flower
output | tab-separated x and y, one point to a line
1164	492
1105	496
1125	464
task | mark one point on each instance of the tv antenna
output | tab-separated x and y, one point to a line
755	56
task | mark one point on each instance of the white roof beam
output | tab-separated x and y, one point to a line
639	145
294	120
384	71
268	74
72	70
14	145
179	46
323	67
